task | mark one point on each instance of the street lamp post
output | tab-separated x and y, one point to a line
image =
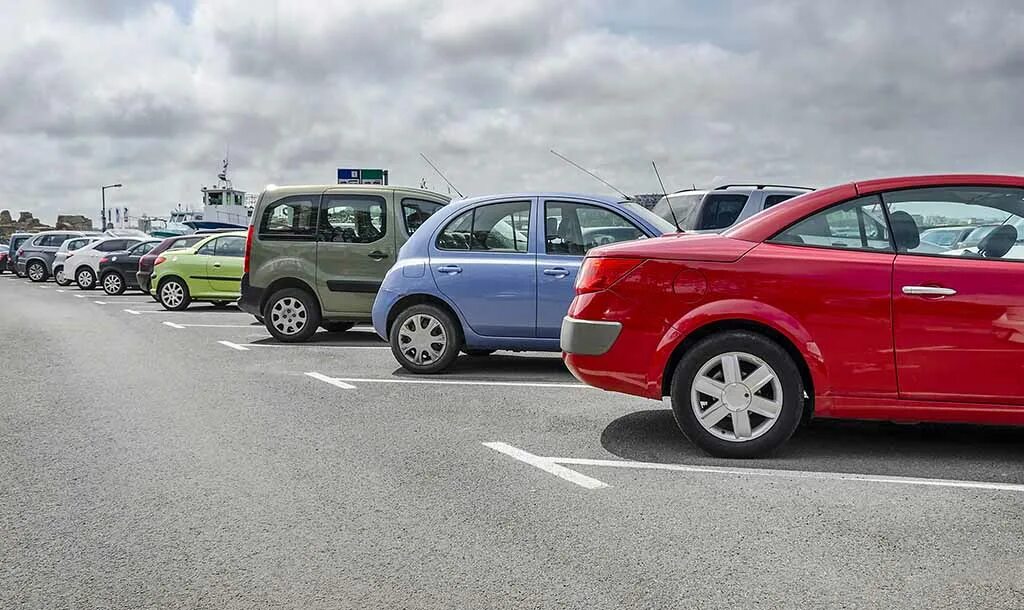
103	212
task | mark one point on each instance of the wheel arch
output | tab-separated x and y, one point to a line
289	282
793	339
422	299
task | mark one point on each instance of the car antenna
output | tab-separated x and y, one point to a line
591	174
434	167
668	201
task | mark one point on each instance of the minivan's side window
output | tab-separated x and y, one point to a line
415	211
997	213
859	224
575	228
353	219
497	227
721	211
290	218
773	200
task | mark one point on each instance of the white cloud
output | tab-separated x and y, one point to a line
150	94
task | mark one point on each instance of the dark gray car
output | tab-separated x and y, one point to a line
17	241
36	255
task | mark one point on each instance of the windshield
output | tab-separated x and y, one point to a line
659	223
682	205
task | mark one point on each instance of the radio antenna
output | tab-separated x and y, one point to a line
668	201
591	174
434	167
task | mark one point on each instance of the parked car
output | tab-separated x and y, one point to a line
117	270
36	256
496	272
827	307
717	209
64	251
145	270
3	257
952	237
83	265
210	271
14	244
316	256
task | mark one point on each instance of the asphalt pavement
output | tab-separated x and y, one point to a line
152	459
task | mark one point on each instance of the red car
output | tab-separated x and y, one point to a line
828	305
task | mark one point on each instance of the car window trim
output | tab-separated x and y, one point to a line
261	233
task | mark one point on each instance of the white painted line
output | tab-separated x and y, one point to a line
132	311
81	296
794	474
216	326
524	384
173	325
240	348
60	290
547	465
312	345
100	302
331	380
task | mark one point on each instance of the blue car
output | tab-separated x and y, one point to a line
496	273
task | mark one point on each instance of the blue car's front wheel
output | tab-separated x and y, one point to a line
425	339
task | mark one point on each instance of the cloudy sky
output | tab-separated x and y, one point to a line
809	92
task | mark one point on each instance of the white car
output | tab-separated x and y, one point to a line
83	265
65	250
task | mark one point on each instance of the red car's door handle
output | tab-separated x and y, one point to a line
929	291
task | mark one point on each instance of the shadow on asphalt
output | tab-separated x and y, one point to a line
922	450
352	338
503	367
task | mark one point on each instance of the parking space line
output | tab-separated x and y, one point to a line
236	346
758	472
547	465
81	296
330	380
213	325
526	384
100	302
60	290
132	311
310	345
173	325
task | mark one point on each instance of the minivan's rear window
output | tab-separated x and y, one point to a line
290	218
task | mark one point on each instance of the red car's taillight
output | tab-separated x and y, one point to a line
599	273
158	260
248	250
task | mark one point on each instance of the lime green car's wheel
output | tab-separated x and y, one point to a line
173	294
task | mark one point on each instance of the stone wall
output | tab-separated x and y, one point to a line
25	222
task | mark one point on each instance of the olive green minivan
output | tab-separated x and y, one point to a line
315	256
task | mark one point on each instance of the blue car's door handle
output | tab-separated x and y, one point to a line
450	269
557	271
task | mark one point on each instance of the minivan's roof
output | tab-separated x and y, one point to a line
298	189
540	195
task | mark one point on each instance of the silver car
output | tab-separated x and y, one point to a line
719	208
36	256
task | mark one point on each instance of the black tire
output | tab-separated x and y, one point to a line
291	315
85	278
478	353
402	351
36	271
113	283
748	344
173	294
337	327
60	278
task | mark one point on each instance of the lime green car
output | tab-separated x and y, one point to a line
211	270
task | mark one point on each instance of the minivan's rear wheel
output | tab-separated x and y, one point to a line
174	294
113	283
85	278
291	315
36	271
737	395
58	276
425	339
337	327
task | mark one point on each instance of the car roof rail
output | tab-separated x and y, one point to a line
761	186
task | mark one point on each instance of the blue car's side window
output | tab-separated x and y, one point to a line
575	228
498	227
